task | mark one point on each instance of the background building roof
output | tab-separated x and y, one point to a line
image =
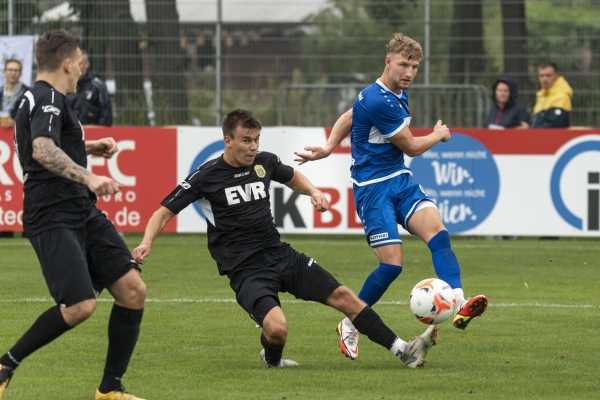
239	11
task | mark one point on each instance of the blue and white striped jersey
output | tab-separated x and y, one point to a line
378	114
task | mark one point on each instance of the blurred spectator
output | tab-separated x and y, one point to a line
506	113
11	92
553	104
91	102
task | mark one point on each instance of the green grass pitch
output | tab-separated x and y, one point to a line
539	338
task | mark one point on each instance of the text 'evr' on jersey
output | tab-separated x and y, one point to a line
236	203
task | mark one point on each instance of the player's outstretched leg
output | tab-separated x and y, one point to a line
120	394
374	287
283	363
5	374
369	323
469	309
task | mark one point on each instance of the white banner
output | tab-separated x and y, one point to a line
19	47
478	191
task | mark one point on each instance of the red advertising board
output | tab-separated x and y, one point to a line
146	166
518	141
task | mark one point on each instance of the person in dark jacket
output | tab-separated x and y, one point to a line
506	113
91	102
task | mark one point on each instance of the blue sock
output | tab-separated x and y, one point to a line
378	282
444	260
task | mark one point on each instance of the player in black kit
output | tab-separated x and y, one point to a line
233	192
79	250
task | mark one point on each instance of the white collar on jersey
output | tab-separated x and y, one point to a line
386	88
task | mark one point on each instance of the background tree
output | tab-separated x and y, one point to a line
92	38
23	14
516	60
467	53
122	39
167	62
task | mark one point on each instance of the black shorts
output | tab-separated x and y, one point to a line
280	269
79	263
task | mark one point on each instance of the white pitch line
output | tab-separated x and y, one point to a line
186	300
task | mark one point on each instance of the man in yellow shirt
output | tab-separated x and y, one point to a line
553	103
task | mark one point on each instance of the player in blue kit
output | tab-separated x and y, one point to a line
384	189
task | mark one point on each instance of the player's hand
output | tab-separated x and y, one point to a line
106	147
102	185
442	130
140	253
7	122
318	199
316	153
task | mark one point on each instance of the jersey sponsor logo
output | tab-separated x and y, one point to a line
51	109
260	171
250	191
360	96
185	185
378	236
21	103
241	174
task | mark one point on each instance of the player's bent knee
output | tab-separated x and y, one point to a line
344	299
141	291
275	332
79	312
275	328
129	291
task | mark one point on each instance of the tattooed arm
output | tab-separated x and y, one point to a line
55	160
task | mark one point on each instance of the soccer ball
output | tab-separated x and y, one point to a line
432	301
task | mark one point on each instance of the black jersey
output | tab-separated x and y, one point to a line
236	204
50	200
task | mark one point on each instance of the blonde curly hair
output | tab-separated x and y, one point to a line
402	44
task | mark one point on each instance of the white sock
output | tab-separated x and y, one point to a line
459	295
398	346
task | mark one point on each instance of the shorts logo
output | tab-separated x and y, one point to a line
51	109
260	171
185	185
378	236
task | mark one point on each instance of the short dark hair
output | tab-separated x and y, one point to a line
546	64
13	60
53	48
239	117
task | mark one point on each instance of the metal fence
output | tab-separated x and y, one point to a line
322	104
170	47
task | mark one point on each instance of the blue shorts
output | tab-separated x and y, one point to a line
383	205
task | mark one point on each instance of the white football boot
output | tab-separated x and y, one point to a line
348	338
415	351
283	363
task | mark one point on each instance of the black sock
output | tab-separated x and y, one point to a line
369	323
45	329
273	352
123	331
